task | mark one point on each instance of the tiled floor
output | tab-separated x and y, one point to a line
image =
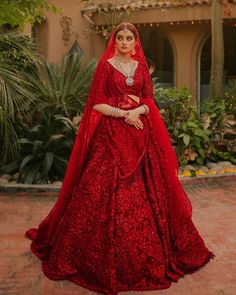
214	208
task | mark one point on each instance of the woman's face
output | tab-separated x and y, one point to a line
125	41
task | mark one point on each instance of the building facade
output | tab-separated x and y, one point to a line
176	36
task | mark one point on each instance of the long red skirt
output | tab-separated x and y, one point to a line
116	234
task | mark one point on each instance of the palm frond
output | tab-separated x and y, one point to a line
8	138
64	87
15	94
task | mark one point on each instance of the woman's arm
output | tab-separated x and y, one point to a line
108	110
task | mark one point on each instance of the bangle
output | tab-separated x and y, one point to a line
115	112
145	108
111	112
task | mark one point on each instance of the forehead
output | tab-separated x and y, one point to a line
125	33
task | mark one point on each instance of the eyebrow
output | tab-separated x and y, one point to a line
125	36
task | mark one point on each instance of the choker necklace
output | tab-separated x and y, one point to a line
129	76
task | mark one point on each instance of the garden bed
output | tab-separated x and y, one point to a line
213	174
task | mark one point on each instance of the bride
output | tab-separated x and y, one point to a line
122	220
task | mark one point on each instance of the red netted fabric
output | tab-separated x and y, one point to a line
122	220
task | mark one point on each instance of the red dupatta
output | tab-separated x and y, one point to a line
179	202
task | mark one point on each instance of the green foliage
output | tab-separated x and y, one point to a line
220	120
15	98
195	145
223	155
174	103
20	12
46	103
193	137
56	93
16	92
44	150
230	98
17	50
214	115
63	87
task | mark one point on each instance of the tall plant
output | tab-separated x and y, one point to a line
18	50
16	92
15	97
63	88
219	7
217	66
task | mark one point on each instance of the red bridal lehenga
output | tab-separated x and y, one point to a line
122	220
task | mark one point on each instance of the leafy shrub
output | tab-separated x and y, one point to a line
215	117
44	150
230	98
221	122
29	88
15	98
18	13
194	136
16	92
189	138
18	50
64	87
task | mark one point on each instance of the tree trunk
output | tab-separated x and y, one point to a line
217	64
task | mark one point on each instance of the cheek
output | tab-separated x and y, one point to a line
132	44
118	44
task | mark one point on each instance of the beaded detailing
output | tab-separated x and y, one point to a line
129	76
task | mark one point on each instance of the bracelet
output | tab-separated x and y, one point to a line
145	108
115	112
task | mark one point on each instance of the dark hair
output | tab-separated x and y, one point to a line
126	26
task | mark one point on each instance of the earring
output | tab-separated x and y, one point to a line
116	51
133	52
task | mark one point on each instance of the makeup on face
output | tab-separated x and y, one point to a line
125	41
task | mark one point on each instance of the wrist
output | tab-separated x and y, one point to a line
122	113
114	112
145	109
140	110
117	112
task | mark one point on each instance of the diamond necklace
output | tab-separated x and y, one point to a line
129	76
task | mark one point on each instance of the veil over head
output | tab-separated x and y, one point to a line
179	202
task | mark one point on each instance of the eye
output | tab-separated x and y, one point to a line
130	38
119	38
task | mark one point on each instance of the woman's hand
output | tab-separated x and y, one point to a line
123	113
132	118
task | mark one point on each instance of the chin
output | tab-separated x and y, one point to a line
125	51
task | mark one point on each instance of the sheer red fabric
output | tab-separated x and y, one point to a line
122	220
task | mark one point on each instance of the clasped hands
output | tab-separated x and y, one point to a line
132	117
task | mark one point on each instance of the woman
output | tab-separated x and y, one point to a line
122	220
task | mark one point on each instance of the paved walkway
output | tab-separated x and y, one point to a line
214	208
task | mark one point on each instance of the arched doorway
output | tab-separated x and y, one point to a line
229	64
158	48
